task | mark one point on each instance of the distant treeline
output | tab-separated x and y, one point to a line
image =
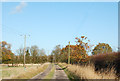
32	54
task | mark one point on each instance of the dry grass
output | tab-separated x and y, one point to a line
19	72
31	72
8	72
88	72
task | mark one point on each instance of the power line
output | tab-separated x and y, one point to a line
14	31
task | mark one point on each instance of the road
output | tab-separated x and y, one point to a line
59	74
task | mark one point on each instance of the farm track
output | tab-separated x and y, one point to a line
59	74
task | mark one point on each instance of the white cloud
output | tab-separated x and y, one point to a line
19	7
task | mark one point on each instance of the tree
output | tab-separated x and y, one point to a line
82	48
56	52
78	52
0	54
34	52
42	56
42	52
43	59
50	58
7	55
38	55
20	55
101	48
27	56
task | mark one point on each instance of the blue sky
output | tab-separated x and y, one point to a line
53	23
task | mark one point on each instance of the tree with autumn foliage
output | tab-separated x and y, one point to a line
78	52
7	55
101	48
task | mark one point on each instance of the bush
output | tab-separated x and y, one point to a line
105	61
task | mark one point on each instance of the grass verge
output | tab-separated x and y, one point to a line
50	74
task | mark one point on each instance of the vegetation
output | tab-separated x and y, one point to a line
102	48
78	52
31	72
55	55
86	73
33	54
106	61
102	58
10	72
7	55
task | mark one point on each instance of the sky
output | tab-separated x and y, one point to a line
53	23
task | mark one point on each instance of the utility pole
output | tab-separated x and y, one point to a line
24	49
69	54
48	56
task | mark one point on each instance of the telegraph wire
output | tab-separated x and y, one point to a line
10	29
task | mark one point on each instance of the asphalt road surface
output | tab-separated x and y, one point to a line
59	74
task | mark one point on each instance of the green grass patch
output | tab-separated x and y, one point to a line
50	74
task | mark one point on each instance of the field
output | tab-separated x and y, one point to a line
19	72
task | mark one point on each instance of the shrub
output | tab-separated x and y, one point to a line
105	61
